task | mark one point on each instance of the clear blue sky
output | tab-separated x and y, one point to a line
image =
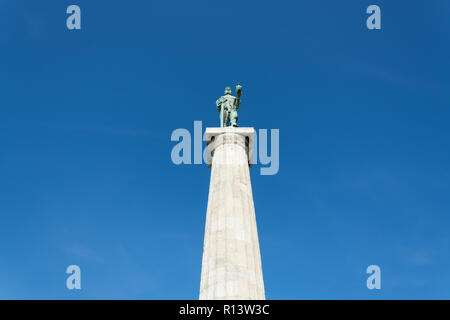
86	117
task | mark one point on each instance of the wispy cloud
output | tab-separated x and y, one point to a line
420	258
392	76
101	129
83	252
415	256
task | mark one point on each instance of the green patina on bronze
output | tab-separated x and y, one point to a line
227	105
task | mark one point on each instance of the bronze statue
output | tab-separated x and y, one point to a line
227	105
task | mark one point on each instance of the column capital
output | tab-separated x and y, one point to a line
218	136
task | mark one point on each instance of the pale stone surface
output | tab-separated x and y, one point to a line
231	265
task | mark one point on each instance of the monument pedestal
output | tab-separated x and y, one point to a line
231	265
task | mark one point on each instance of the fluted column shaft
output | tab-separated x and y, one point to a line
231	265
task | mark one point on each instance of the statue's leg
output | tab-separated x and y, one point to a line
227	118
234	118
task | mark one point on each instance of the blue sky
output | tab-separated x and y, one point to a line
86	117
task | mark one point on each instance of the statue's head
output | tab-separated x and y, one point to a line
227	90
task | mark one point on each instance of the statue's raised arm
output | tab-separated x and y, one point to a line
237	102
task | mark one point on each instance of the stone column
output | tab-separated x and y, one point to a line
231	265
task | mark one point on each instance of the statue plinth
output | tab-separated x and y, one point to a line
218	136
231	265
